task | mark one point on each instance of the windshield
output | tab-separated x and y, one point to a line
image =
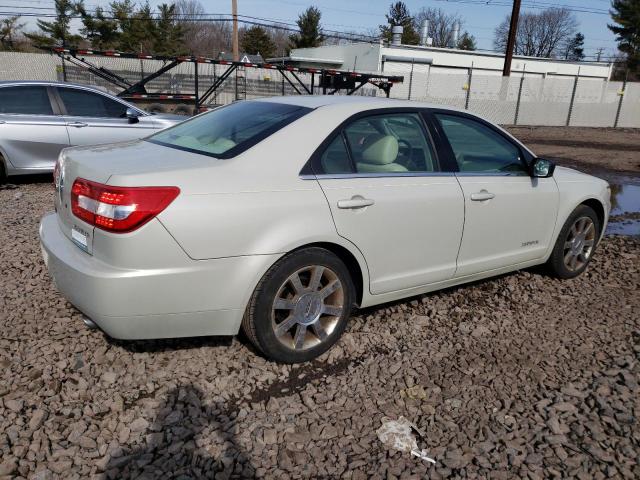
230	130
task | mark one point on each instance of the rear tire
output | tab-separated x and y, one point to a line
575	244
156	108
300	307
3	171
183	109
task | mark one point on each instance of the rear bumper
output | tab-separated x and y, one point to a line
200	297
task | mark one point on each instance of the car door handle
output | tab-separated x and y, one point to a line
355	202
77	124
482	195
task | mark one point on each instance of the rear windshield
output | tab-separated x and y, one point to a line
230	130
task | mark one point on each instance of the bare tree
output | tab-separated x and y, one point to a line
540	34
203	35
280	37
440	25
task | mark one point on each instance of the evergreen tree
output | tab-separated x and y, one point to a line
399	15
575	48
310	30
256	40
466	42
56	33
168	33
626	15
100	31
137	28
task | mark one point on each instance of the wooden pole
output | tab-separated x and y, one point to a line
511	41
234	12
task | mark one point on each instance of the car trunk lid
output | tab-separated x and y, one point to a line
130	164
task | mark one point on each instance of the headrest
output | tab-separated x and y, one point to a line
380	149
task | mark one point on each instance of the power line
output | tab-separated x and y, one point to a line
532	4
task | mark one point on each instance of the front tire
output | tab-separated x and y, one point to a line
300	307
575	244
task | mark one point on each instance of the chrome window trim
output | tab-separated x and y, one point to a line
340	176
493	174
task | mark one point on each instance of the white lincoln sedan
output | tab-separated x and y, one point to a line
279	215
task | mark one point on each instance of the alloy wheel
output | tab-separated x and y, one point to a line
307	307
579	243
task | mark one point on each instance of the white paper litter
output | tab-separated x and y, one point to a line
398	434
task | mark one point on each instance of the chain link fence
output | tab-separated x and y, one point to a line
529	100
532	100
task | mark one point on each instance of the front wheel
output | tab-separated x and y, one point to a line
575	244
300	307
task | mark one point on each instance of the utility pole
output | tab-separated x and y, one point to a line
234	12
511	42
599	54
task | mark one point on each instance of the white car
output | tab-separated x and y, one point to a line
280	214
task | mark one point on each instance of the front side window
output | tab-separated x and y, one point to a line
82	103
391	143
478	148
27	100
229	130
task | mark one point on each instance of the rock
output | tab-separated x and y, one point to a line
87	442
14	405
139	425
8	466
270	437
37	419
109	377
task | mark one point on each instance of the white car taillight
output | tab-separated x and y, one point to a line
118	209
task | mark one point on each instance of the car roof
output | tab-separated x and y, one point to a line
6	83
359	102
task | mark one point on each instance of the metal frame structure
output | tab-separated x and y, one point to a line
329	81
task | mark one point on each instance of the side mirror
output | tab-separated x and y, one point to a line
542	168
132	115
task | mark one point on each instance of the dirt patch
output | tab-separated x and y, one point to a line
588	148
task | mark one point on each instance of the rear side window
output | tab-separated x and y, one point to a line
28	100
81	103
381	144
230	130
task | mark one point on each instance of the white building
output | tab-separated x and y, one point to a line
393	59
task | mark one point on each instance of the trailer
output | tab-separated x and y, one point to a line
232	77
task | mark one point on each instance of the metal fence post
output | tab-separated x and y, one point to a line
466	102
573	97
196	87
621	93
515	118
410	80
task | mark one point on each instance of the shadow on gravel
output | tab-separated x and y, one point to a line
169	344
17	180
170	445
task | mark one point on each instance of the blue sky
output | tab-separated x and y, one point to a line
362	15
480	20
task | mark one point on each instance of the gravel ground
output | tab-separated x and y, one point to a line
522	376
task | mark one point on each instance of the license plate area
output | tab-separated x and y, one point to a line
80	238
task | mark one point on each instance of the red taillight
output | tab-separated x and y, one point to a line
118	209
